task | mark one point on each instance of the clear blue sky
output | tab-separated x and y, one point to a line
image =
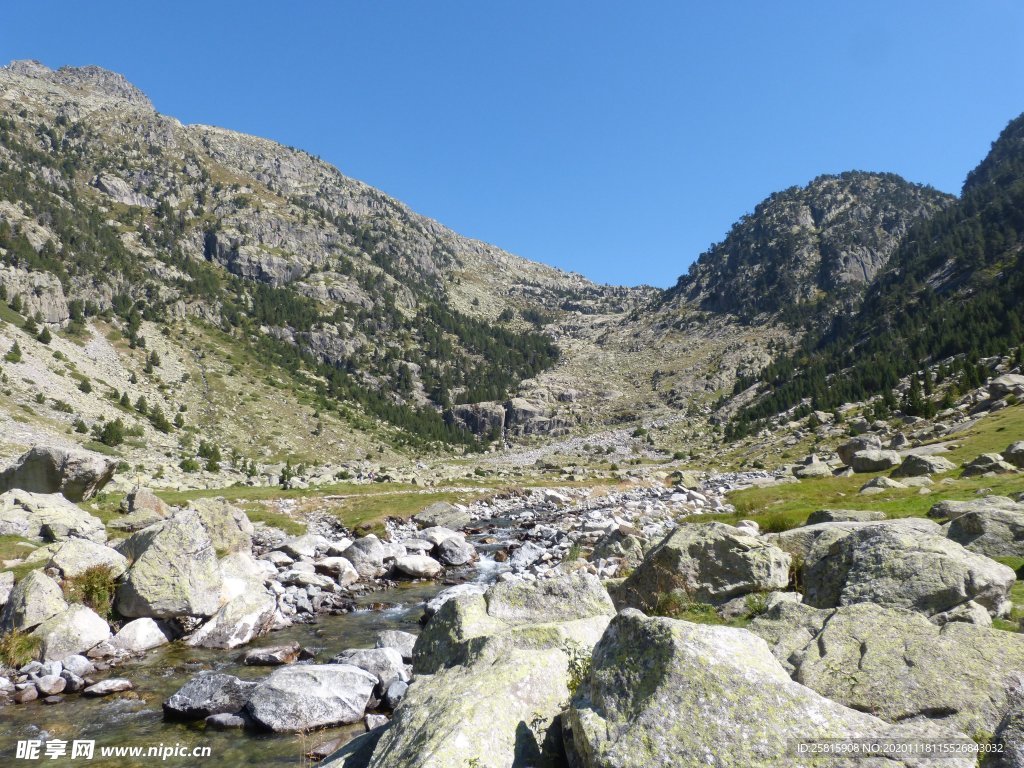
618	139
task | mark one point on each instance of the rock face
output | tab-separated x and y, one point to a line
47	516
74	630
141	635
919	466
174	571
208	694
670	689
993	532
444	514
709	563
953	509
897	665
311	696
245	617
899	567
33	600
41	293
228	526
76	474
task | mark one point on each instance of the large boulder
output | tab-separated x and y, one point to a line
847	450
627	547
141	499
950	509
367	556
141	635
844	516
665	692
919	466
208	694
874	460
809	542
403	642
50	517
993	532
496	713
33	600
988	464
304	697
74	630
75	556
418	566
383	663
898	666
76	474
549	614
709	563
174	571
456	551
899	567
1014	454
443	514
242	619
227	525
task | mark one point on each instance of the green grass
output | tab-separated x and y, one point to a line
17	648
258	513
15	547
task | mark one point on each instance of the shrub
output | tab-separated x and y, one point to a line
18	648
776	522
94	587
13	354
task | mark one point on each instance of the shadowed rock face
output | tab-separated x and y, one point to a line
76	474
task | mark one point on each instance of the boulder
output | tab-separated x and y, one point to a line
50	685
434	604
874	460
1009	736
709	563
174	571
50	517
918	466
403	642
437	534
75	556
899	567
243	618
710	695
844	516
547	614
303	697
443	514
808	543
496	713
899	666
988	463
455	551
206	694
862	443
880	484
273	656
76	474
367	556
339	569
227	525
525	555
385	664
140	499
788	626
33	600
1005	384
74	630
141	635
993	532
626	547
1014	454
951	510
306	546
6	586
108	686
356	753
418	566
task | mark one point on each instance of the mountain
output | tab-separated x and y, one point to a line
808	252
953	287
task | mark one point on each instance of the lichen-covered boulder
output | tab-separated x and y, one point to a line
206	694
74	630
76	474
303	697
671	693
988	463
897	665
367	556
547	614
50	517
383	663
227	525
1014	454
787	627
442	513
141	635
710	563
34	599
173	573
950	509
921	466
75	556
994	532
874	461
899	567
627	547
809	542
245	617
418	566
847	450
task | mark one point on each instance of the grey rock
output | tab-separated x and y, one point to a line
76	474
356	753
208	694
444	514
395	693
142	635
47	516
844	516
1014	454
994	532
988	463
246	616
75	556
418	566
273	656
33	600
455	551
50	685
874	460
367	556
862	443
228	526
226	721
953	509
74	630
917	466
303	697
108	686
385	664
403	642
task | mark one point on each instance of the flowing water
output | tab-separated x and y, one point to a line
136	719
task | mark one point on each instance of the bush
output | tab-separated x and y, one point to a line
45	337
14	354
85	386
776	522
94	587
18	648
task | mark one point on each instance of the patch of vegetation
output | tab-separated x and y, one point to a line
94	588
18	648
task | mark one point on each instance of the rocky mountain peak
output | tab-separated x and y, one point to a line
808	250
90	78
28	68
1004	163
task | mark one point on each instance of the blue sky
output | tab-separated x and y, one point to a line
615	139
